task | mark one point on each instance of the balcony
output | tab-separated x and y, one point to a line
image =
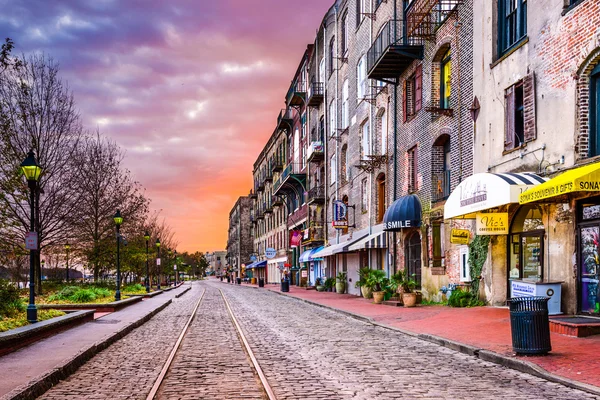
261	185
276	201
290	180
268	207
316	195
423	17
285	120
296	95
316	91
253	194
315	152
440	186
314	233
297	216
277	166
269	175
391	54
260	214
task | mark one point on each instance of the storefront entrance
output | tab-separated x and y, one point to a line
413	257
588	230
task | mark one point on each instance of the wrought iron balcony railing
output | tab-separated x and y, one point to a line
440	186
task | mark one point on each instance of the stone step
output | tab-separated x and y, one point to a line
576	326
393	303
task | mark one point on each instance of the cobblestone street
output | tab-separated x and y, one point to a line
306	352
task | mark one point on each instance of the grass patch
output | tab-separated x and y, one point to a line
20	319
78	295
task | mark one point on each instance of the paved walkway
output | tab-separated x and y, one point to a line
29	363
486	328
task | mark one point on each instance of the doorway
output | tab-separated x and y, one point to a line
413	257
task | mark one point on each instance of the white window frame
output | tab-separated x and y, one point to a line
333	169
332	119
365	140
463	262
361	78
345	105
384	133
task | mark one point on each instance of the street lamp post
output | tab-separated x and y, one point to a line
43	262
118	221
67	248
147	237
175	267
158	263
32	172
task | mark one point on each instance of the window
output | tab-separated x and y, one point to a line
445	80
332	55
345	105
412	169
344	33
440	168
526	245
520	125
344	163
360	11
332	119
380	198
595	112
363	196
333	168
365	141
322	70
512	23
361	78
384	132
413	93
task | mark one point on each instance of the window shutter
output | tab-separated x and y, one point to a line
418	87
416	167
404	102
529	124
509	118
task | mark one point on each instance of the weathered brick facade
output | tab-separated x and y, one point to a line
240	241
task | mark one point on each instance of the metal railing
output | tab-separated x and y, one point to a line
389	35
440	186
316	193
316	89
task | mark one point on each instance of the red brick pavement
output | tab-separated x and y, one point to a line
483	327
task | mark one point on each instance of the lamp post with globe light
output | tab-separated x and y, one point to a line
147	237
118	221
158	263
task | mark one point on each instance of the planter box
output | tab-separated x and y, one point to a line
14	339
107	307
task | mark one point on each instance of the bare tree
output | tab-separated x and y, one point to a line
37	112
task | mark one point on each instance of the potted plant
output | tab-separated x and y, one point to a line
361	283
319	285
330	284
409	297
377	281
340	284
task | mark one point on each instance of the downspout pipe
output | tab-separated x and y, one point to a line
395	191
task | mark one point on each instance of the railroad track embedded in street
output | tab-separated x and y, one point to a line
163	388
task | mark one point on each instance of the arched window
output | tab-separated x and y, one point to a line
445	80
526	245
332	55
440	168
595	112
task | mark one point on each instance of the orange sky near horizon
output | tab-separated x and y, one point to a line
189	89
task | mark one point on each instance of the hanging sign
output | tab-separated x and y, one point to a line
158	261
270	252
31	241
340	215
492	223
460	236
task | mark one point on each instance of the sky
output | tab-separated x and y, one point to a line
190	89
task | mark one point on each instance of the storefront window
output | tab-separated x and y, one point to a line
526	245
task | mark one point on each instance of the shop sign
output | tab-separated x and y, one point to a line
31	241
340	215
304	273
492	223
460	236
270	252
253	258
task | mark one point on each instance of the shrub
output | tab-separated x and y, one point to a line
101	292
64	294
10	302
83	296
460	298
134	288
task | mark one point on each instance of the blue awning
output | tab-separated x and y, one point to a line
403	213
307	256
257	264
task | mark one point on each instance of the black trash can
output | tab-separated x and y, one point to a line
261	282
529	325
228	279
239	281
285	286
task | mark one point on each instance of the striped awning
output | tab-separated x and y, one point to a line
307	256
258	264
373	241
487	190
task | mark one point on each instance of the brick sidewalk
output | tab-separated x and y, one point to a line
487	328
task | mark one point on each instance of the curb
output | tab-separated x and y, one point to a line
178	295
485	355
43	383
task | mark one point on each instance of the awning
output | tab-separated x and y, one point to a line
337	248
257	264
307	255
373	241
487	190
582	179
277	260
403	213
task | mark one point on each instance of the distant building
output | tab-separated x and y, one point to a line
239	243
217	261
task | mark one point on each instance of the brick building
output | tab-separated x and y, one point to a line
536	76
240	241
217	262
